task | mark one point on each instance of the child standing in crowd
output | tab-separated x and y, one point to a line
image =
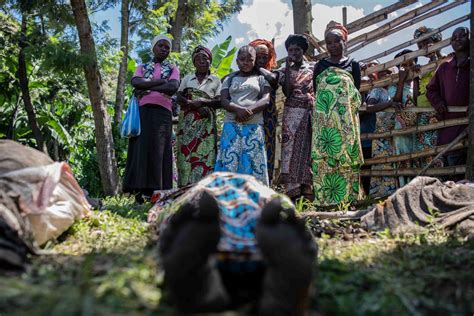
403	92
428	139
244	95
378	100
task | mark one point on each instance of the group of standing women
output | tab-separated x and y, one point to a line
321	153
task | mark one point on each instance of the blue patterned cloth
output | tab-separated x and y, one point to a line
242	150
240	199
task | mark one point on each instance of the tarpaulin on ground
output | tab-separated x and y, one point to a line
39	200
425	201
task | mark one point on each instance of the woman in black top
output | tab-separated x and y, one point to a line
336	39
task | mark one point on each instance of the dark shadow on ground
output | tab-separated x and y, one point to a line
414	277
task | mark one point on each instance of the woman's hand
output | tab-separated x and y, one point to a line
204	112
243	114
397	105
141	92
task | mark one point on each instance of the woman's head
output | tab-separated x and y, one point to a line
246	58
266	56
161	46
429	41
408	63
296	45
387	72
335	37
202	59
374	75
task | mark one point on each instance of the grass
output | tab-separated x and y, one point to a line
107	265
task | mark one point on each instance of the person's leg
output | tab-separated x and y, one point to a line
185	246
289	251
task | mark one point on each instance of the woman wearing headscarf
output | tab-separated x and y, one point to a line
198	97
266	58
149	159
426	140
336	150
295	77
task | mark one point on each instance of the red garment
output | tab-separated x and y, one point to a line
449	87
271	63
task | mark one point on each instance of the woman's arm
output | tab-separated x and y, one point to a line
146	84
271	77
402	76
182	100
377	107
356	74
262	103
169	88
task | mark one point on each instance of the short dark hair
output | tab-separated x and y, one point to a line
297	39
404	52
247	49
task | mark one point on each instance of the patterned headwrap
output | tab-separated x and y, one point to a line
437	37
338	28
202	50
271	63
158	38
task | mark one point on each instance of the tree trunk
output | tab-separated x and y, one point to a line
470	149
302	19
103	129
25	91
177	27
120	93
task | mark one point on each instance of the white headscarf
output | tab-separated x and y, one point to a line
159	38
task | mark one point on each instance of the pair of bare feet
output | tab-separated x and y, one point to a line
195	283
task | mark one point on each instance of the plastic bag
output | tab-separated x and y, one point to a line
131	122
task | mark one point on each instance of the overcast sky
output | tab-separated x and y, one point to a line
274	19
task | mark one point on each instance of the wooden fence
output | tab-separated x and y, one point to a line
398	24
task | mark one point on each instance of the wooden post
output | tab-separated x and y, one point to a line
470	149
344	16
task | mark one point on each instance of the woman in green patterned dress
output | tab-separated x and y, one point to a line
336	151
198	96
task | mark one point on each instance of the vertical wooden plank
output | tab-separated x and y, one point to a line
470	149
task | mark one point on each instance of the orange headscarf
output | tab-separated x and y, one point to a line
271	63
337	27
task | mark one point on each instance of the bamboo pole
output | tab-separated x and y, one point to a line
394	78
451	109
416	129
410	23
374	17
423	153
395	22
314	41
368	23
470	149
450	146
413	172
419	39
399	60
